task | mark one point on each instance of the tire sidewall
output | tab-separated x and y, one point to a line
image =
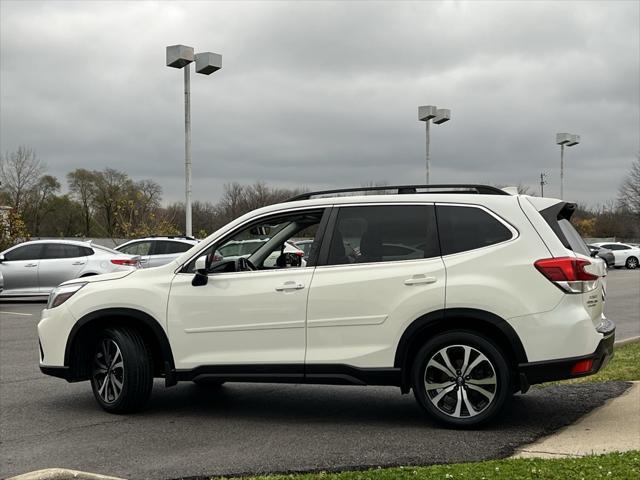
131	358
482	344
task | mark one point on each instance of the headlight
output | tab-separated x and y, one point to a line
63	293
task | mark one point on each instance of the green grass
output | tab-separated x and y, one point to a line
625	366
614	466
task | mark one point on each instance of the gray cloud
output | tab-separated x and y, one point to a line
325	94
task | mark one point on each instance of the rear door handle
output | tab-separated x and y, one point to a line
420	280
286	286
77	263
31	265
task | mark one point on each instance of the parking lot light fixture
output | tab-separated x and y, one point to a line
568	140
182	56
426	114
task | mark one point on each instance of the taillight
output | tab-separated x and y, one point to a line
568	274
583	366
125	261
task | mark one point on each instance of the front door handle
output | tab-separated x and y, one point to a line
31	265
420	280
286	286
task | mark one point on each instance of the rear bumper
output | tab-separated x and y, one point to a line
551	370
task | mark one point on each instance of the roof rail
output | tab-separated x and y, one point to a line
407	189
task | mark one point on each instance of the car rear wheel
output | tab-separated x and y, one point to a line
461	379
632	263
122	375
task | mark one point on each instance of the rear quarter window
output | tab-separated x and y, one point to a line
557	217
576	243
463	228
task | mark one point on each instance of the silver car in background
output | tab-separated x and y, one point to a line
35	268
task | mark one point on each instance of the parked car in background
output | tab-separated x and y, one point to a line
156	251
35	268
603	253
304	244
625	255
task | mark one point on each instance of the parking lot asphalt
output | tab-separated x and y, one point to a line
254	428
623	302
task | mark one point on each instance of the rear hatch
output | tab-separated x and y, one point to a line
572	269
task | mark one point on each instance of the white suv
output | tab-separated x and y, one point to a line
502	295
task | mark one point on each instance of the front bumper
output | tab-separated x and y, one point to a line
60	372
551	370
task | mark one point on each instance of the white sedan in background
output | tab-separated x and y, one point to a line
626	255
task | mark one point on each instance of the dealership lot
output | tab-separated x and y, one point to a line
239	428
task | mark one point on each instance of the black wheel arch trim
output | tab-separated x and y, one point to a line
145	318
439	319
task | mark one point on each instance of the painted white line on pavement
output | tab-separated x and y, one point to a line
17	313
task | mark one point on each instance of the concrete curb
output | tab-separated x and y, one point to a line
619	343
613	427
61	474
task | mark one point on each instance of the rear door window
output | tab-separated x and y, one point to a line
464	228
383	233
61	250
167	247
138	248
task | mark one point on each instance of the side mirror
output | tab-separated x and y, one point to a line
201	264
594	253
200	278
243	265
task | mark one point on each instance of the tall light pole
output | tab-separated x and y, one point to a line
569	140
181	56
426	114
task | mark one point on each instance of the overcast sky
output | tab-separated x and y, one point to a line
324	94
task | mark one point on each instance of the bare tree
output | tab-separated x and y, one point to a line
81	187
629	193
39	201
19	173
108	192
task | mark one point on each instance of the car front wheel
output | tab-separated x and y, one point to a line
632	263
461	379
122	375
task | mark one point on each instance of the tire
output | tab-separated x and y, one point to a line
631	263
461	402
208	383
121	371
